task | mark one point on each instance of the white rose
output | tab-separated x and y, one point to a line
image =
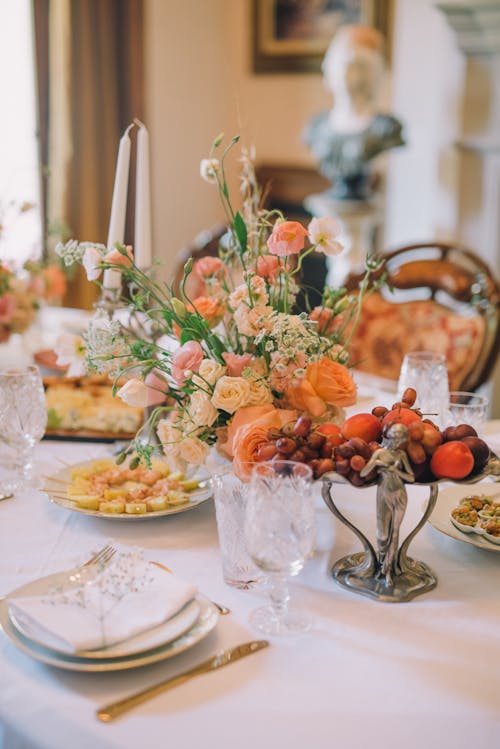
170	437
134	393
230	393
193	450
259	392
201	409
209	372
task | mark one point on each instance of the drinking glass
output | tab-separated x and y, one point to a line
23	418
230	496
467	408
279	529
426	372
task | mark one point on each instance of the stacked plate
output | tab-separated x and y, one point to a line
180	632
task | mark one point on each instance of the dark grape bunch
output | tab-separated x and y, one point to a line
454	453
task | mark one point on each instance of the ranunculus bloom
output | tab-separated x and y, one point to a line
187	357
117	258
326	382
91	261
268	267
209	308
287	238
322	233
208	266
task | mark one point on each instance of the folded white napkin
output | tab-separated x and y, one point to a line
127	597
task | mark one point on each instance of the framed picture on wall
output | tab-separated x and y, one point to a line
291	36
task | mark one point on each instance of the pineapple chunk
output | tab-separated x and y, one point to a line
176	476
156	503
189	485
86	501
113	507
113	494
135	508
159	465
177	498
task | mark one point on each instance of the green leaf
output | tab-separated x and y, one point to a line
241	231
185	337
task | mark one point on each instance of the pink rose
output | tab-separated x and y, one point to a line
116	257
8	306
287	238
187	357
208	266
236	363
268	267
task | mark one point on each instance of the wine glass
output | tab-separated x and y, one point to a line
426	372
23	418
279	532
467	408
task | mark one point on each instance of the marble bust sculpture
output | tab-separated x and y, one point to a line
346	138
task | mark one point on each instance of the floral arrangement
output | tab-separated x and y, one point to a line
21	295
236	359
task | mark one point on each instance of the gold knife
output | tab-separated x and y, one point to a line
223	658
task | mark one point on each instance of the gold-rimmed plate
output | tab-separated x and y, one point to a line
204	624
54	488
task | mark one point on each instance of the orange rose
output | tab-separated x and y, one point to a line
210	308
326	382
249	440
250	416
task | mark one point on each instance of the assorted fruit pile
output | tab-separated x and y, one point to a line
455	453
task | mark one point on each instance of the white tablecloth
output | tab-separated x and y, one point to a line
424	673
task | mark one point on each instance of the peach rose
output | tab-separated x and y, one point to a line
249	438
287	238
117	258
208	266
326	382
55	282
236	363
266	415
186	358
209	308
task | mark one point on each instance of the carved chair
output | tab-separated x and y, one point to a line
444	299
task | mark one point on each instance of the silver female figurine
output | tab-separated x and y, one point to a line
393	468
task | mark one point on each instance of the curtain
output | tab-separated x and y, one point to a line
90	51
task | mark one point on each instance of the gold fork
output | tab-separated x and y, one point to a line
223	610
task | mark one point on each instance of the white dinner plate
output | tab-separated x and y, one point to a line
204	624
448	499
55	482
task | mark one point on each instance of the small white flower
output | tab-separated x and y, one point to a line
322	233
91	262
209	169
134	393
70	350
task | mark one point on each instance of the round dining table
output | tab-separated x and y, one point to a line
414	674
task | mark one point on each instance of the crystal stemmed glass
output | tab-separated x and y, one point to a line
23	418
426	372
279	532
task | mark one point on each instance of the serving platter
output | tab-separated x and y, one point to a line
54	483
449	498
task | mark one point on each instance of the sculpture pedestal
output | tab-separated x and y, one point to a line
360	218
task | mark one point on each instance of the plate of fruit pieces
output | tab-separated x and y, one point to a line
104	489
472	515
456	454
